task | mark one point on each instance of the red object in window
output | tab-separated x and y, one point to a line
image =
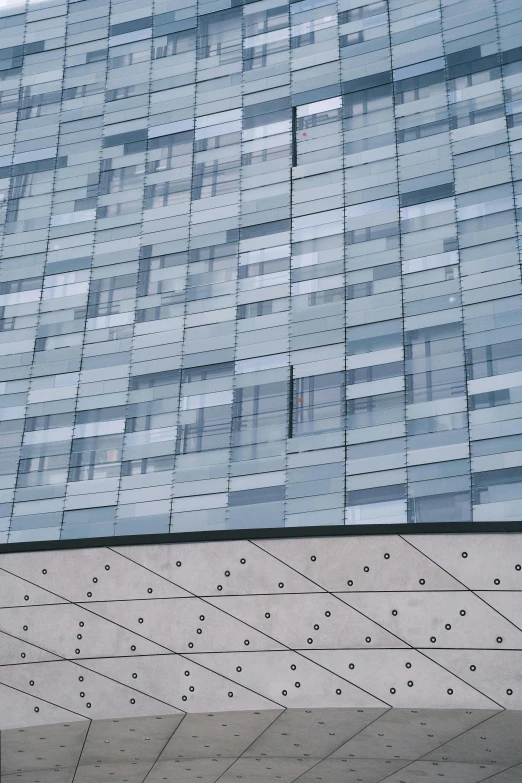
300	399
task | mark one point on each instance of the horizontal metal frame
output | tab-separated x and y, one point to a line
316	531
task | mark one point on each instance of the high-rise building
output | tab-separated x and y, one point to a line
260	264
260	269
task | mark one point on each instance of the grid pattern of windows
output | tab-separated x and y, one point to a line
259	264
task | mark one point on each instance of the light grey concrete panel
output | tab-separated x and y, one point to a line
476	560
176	623
164	677
292	620
512	775
216	568
65	628
424	617
332	562
17	592
311	733
207	770
294	681
84	692
266	770
140	739
495	741
352	770
497	673
403	678
19	709
508	603
103	573
226	735
408	734
131	772
13	650
62	775
54	746
433	771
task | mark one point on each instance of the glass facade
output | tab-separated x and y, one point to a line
260	264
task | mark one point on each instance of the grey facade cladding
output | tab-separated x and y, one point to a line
260	265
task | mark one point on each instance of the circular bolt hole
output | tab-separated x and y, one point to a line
310	641
410	683
178	563
133	701
149	589
281	584
473	668
285	693
395	612
386	556
368	639
338	691
450	691
462	612
230	694
293	667
327	614
509	692
134	676
496	581
297	684
349	582
140	619
239	669
246	642
351	666
366	569
313	558
133	647
107	568
422	581
242	561
447	627
227	573
464	554
44	570
433	639
499	640
392	690
267	615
